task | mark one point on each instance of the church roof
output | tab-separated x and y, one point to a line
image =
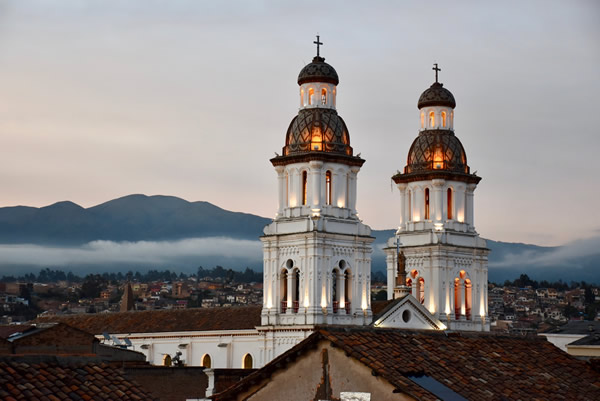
437	150
475	366
158	321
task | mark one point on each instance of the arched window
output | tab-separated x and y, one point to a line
167	360
302	98
206	361
283	285
247	362
328	187
450	204
304	187
311	95
443	118
431	119
421	290
422	119
335	290
347	290
426	203
296	290
323	96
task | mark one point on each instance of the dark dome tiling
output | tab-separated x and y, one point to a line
318	71
310	125
436	95
436	150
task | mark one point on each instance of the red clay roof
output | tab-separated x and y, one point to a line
477	366
7	330
195	319
54	381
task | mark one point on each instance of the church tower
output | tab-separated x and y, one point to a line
317	253
444	258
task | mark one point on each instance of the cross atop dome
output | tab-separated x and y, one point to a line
319	43
435	68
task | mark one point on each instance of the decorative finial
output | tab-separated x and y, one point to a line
318	43
436	71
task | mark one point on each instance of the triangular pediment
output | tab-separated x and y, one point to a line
407	313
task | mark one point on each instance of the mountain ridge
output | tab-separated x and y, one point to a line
159	218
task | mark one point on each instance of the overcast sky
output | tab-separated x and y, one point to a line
100	99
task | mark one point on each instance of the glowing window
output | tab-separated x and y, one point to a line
311	94
328	187
422	120
450	204
468	300
443	118
301	97
323	96
426	203
431	119
304	187
247	361
206	361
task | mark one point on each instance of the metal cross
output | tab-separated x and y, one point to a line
436	71
318	43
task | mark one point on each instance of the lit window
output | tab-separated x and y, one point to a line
304	187
431	119
328	187
302	97
311	94
426	203
444	118
323	96
422	120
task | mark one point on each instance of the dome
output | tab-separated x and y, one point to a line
318	71
317	130
436	150
436	95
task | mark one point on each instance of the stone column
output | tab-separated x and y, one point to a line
438	186
315	178
470	215
460	203
353	182
282	189
403	206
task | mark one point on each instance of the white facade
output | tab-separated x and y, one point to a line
446	260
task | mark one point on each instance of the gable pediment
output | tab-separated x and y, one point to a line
408	313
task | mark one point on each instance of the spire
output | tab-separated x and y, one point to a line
127	303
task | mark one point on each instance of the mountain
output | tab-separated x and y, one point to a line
130	218
140	232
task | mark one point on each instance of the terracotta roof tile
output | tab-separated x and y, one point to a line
195	319
477	366
25	381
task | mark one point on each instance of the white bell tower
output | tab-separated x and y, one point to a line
317	253
445	259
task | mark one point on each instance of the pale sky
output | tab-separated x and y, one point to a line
101	99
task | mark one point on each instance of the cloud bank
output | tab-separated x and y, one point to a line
180	253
